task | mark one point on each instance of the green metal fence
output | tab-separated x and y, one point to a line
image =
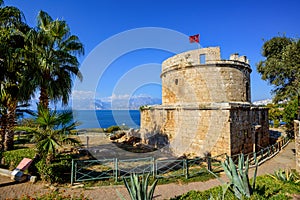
116	169
266	153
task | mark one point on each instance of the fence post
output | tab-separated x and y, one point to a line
186	164
87	141
153	167
208	159
116	170
72	173
255	157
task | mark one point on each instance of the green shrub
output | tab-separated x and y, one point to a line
112	129
12	158
56	172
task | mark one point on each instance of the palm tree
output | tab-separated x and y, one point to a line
12	80
55	59
53	130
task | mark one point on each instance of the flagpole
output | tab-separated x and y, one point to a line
199	47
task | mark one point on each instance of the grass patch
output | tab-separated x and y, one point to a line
202	177
267	189
205	176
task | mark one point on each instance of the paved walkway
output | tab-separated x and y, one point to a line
10	190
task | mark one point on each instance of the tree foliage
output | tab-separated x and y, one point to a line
275	114
53	52
281	68
12	67
42	59
290	114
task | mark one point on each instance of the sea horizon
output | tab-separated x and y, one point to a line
107	118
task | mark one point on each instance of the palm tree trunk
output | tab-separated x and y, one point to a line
10	124
2	131
44	99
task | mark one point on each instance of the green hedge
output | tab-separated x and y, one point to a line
56	172
12	158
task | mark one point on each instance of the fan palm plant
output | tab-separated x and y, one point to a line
53	131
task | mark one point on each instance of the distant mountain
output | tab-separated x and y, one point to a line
132	103
262	102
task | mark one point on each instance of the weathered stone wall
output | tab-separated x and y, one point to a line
189	131
249	129
216	80
297	143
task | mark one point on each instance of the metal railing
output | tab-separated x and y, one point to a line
115	169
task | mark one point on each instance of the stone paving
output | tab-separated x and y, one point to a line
12	190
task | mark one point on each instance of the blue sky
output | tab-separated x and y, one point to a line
235	26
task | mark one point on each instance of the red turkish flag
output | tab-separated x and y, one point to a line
194	38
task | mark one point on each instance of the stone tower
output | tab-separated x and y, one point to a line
206	106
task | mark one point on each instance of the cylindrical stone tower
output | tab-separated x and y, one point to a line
200	76
206	106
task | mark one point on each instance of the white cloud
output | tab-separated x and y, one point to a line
116	97
81	94
91	95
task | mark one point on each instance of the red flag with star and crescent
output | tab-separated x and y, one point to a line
194	38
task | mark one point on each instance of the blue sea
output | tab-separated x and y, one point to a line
107	118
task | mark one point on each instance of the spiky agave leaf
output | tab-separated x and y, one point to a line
152	188
236	179
129	188
138	188
255	174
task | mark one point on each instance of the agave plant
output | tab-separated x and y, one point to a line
286	175
238	176
138	187
239	182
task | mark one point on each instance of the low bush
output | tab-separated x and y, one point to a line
57	172
112	129
12	158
